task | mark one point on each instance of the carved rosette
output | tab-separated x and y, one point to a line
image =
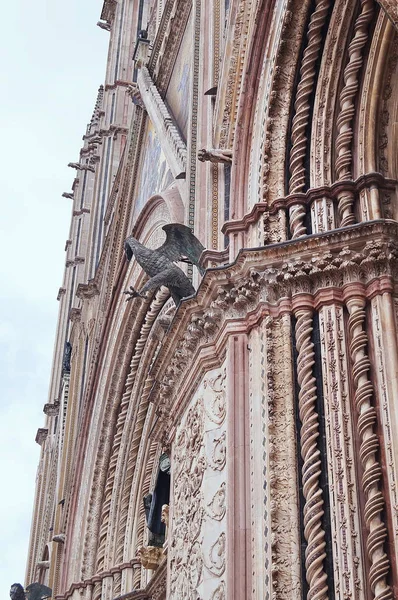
311	472
369	449
197	533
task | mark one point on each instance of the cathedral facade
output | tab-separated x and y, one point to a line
244	443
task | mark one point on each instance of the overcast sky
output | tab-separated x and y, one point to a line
53	60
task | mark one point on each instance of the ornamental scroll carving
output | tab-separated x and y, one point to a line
281	504
198	537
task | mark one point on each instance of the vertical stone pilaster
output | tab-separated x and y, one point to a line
238	480
345	525
283	575
384	334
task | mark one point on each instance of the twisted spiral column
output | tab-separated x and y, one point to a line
347	110
369	447
313	507
302	113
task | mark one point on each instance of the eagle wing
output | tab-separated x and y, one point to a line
181	243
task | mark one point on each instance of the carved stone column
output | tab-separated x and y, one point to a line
347	110
343	493
301	118
311	472
369	448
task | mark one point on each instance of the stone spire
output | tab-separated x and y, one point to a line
94	123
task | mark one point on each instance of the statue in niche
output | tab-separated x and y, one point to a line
66	357
34	591
180	245
154	502
212	155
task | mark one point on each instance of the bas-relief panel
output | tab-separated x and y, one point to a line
198	538
178	92
154	173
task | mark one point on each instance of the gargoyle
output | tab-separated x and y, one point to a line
180	245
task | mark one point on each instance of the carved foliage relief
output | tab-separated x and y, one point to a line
282	580
198	538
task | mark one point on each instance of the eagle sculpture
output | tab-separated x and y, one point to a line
180	245
34	591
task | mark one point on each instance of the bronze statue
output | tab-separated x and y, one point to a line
34	591
180	245
17	592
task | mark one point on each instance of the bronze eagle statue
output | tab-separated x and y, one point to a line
180	246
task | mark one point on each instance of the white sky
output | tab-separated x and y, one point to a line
53	59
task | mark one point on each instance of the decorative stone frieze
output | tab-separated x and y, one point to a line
197	538
391	9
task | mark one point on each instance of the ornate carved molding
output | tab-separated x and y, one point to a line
173	27
386	187
279	106
391	9
281	507
343	490
169	136
231	80
273	276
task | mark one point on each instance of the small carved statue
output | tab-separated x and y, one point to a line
180	245
66	358
212	155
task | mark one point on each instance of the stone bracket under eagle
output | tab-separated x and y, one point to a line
180	246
